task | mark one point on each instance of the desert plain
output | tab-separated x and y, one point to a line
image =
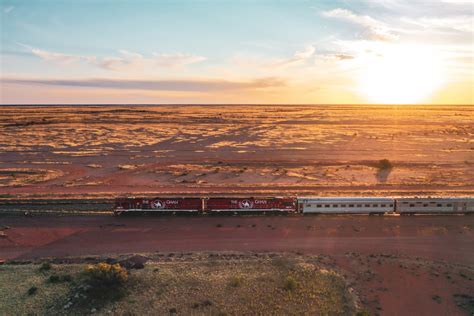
70	158
48	151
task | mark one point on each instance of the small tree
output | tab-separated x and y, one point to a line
385	164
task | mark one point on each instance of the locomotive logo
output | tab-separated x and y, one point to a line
246	204
158	204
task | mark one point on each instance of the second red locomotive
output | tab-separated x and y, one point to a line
205	205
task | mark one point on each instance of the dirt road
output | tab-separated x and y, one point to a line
433	237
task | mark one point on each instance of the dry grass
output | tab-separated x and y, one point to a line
211	287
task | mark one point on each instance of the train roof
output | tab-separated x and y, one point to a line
338	198
434	198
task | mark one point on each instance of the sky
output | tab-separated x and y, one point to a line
258	52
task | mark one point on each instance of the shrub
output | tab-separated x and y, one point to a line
290	283
59	278
385	164
104	275
436	298
32	290
45	266
363	312
236	281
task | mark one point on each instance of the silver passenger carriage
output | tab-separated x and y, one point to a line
362	205
435	205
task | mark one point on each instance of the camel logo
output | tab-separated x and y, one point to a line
158	204
245	204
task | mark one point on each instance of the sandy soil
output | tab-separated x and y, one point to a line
324	150
400	265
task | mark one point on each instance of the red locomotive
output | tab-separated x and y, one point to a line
158	205
205	205
276	204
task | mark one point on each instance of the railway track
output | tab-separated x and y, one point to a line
69	206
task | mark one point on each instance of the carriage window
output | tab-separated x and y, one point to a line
351	205
367	205
439	205
308	205
375	205
412	205
382	205
391	205
319	205
327	205
359	205
449	205
425	205
343	205
334	205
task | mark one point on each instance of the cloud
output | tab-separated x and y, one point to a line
125	60
135	60
297	58
343	56
58	58
8	9
456	23
155	85
61	58
375	30
177	60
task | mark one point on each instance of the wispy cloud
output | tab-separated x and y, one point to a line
297	58
125	60
374	29
8	9
343	56
177	60
462	23
156	85
131	59
61	58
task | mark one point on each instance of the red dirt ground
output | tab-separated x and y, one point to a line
398	265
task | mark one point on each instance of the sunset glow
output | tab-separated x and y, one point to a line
394	51
402	75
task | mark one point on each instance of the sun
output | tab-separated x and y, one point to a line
401	75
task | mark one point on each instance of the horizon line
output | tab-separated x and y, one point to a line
233	104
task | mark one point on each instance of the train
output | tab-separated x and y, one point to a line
295	205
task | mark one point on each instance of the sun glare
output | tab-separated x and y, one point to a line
401	75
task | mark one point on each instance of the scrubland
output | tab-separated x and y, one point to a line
197	286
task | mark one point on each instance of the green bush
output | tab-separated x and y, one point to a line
236	281
45	266
59	278
363	312
290	283
32	290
